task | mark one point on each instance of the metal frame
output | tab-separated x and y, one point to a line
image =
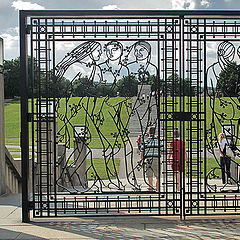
180	39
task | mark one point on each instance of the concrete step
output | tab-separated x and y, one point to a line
135	122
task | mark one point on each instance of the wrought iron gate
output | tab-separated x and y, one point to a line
99	79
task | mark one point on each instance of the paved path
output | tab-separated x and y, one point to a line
11	227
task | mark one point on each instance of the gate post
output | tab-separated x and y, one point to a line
2	138
24	116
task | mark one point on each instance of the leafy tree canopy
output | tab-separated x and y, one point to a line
127	86
229	81
11	72
51	86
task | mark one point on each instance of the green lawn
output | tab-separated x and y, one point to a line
97	167
98	118
16	155
211	163
76	107
102	117
12	141
12	122
13	149
225	108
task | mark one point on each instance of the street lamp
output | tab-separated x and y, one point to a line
1	55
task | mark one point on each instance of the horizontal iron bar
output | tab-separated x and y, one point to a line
105	215
28	13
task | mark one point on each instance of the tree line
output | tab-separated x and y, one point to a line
228	84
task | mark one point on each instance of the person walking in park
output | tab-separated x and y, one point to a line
225	160
177	155
150	156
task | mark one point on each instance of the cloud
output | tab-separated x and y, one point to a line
183	4
10	37
21	5
65	46
110	7
77	68
206	3
212	48
11	43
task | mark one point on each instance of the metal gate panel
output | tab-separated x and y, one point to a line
167	54
170	67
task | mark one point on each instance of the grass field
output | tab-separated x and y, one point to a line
97	118
100	169
103	119
76	114
12	122
94	114
226	112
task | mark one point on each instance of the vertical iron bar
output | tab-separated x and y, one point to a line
173	102
198	120
165	106
55	127
205	115
39	110
190	104
158	118
185	53
33	116
181	79
48	123
24	116
182	57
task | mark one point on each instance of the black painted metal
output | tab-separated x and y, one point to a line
24	119
167	48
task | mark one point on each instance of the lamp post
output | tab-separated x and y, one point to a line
2	137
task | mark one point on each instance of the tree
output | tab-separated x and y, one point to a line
127	86
82	87
188	89
153	81
11	72
52	86
105	90
177	87
229	81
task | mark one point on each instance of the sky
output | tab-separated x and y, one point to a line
9	12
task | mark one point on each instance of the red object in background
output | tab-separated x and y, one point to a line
178	149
